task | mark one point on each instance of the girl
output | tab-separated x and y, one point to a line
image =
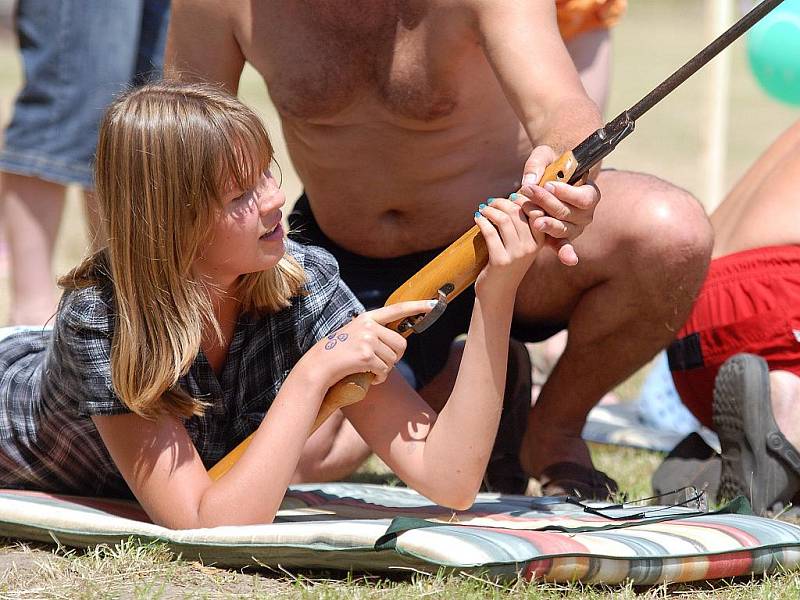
198	323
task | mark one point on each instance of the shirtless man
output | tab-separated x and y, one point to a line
401	116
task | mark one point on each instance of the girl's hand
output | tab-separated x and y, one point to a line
512	241
364	345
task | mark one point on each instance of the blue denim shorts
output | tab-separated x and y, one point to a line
77	55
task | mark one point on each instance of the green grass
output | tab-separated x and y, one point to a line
653	39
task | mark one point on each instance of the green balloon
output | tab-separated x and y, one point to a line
773	50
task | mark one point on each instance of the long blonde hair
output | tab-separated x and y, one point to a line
164	155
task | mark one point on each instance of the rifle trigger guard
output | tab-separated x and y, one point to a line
422	323
431	317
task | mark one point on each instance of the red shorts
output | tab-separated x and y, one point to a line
750	302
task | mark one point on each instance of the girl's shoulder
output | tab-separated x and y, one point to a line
319	265
88	308
326	302
322	273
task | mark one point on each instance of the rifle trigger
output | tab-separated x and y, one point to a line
436	312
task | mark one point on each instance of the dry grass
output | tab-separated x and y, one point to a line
655	37
134	570
130	570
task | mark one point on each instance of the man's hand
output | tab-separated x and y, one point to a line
568	209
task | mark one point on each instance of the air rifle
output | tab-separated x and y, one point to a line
458	265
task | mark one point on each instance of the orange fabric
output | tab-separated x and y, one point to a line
578	16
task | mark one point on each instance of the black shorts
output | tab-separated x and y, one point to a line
373	280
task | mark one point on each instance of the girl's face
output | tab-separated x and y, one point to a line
247	236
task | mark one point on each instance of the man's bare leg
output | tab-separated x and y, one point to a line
784	388
32	211
437	391
642	261
768	187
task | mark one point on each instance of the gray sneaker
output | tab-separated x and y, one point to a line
757	460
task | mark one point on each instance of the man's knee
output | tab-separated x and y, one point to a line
671	230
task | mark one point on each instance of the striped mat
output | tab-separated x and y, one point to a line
374	528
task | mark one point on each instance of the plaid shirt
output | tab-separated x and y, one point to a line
51	383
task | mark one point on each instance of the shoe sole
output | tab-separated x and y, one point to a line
757	460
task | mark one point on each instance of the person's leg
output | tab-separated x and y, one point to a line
785	398
142	61
94	222
148	57
152	41
332	452
642	261
76	55
437	390
748	304
31	213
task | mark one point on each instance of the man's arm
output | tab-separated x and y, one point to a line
202	45
521	41
524	47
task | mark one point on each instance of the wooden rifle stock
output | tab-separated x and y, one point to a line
444	278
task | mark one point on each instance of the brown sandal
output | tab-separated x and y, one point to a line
573	479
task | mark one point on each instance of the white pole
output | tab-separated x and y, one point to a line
719	16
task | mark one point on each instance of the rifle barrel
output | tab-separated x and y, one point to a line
603	141
701	58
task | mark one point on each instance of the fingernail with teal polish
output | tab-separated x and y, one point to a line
481	206
477	214
489	200
513	196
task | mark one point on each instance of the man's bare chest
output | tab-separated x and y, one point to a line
317	65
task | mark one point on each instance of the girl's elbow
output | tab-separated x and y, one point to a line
464	503
457	497
216	521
